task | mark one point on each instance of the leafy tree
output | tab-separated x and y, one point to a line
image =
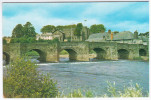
116	32
22	80
144	34
18	31
29	30
48	29
23	40
59	27
78	30
4	41
97	28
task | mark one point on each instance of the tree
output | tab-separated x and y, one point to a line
4	41
97	28
59	27
48	29
29	30
23	80
18	31
116	32
78	30
144	34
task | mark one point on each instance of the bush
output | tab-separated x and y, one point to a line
32	53
64	52
4	41
23	80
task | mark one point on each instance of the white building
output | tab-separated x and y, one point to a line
46	36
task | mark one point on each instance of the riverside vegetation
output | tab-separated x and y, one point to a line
22	80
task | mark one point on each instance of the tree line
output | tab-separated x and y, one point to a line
96	28
26	33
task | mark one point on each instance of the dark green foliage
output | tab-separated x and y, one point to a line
48	29
144	34
32	53
18	31
26	30
78	30
4	41
116	32
23	80
23	40
61	27
83	36
97	28
29	30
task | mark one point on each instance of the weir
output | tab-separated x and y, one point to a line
79	51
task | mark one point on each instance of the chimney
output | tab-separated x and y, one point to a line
136	35
109	31
111	36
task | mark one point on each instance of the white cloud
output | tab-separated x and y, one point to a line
104	8
129	26
38	17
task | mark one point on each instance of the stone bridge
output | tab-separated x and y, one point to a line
79	51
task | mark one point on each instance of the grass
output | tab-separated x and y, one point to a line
130	91
138	58
64	52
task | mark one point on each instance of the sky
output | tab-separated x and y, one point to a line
117	16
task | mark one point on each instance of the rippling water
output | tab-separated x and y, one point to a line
93	75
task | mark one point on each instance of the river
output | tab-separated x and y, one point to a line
94	75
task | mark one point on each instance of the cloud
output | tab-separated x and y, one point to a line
117	16
129	26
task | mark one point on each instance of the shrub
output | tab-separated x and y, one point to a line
64	52
32	53
23	80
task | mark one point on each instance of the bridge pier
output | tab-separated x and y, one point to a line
133	54
83	57
52	53
111	53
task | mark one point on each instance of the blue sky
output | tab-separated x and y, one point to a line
117	16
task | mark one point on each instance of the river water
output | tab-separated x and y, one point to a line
94	75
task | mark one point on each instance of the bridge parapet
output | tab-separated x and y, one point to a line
49	52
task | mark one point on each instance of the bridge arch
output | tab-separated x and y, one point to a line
6	58
123	54
100	53
142	52
71	53
42	54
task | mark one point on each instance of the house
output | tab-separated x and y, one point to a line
121	37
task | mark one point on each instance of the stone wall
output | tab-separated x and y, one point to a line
49	52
